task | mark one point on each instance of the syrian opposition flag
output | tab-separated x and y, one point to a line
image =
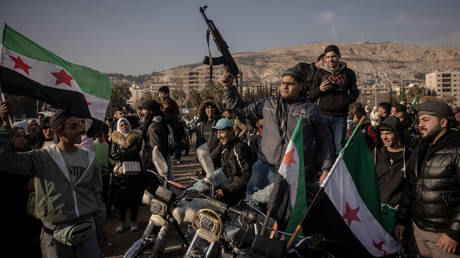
347	208
28	69
288	198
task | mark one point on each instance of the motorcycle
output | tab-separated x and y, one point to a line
161	222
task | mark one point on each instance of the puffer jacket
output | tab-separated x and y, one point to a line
274	141
237	163
431	196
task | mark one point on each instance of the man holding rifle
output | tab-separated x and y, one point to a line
280	114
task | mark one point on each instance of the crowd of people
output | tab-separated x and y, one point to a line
65	182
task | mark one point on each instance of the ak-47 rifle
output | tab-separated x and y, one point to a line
226	59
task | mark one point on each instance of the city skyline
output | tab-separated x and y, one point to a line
138	37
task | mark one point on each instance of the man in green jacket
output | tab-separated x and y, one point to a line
67	184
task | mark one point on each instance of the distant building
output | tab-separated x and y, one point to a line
198	77
136	94
445	84
373	95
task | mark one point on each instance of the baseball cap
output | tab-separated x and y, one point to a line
222	124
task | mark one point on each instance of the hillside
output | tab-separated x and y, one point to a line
391	61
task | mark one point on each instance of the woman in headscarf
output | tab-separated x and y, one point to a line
128	188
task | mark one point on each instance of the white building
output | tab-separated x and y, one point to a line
445	84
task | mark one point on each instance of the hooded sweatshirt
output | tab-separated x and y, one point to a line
390	166
58	198
335	101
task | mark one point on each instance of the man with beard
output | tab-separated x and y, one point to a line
280	114
431	195
67	187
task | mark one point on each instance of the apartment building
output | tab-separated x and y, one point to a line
445	84
198	77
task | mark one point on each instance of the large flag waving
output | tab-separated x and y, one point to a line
28	69
288	197
347	208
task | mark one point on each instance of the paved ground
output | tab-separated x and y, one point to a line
121	242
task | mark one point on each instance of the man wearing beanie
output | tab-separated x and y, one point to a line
334	89
68	187
280	114
431	197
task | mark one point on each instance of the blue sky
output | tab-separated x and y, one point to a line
141	36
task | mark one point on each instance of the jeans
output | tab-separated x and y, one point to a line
262	175
339	130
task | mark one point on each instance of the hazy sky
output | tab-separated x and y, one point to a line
141	36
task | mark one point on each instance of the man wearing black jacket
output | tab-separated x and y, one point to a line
334	89
431	195
237	162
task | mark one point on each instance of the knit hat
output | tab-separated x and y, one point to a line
59	118
295	73
436	108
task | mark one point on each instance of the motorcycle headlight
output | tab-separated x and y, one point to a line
208	220
158	207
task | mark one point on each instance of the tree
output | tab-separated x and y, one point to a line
414	92
194	100
215	91
179	96
120	96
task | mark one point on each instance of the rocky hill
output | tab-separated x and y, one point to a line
390	61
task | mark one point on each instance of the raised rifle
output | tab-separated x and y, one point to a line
226	59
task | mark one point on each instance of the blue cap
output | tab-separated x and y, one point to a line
222	124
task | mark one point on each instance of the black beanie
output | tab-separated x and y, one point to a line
295	73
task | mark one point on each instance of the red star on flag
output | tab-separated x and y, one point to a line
63	77
379	246
19	64
288	158
351	214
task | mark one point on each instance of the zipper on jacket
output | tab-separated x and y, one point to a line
75	201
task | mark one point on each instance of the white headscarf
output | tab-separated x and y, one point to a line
119	129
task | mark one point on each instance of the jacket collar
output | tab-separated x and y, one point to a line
56	156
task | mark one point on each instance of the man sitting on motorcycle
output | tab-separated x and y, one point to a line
237	160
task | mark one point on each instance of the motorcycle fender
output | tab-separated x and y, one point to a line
158	220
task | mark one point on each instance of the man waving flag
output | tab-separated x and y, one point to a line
288	197
28	69
347	209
